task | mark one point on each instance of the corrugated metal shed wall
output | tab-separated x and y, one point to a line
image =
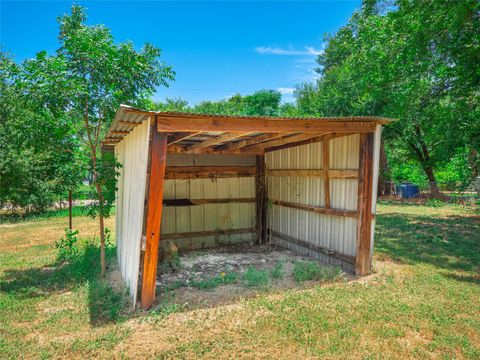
332	232
132	153
209	217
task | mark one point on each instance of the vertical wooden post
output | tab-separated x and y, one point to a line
326	168
261	200
70	205
154	216
363	262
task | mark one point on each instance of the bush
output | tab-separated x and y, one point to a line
67	247
310	270
255	278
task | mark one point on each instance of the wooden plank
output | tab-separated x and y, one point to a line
154	217
282	141
205	172
189	235
181	136
120	132
307	141
177	149
261	200
363	263
347	258
193	123
326	168
193	202
217	140
251	141
333	174
316	209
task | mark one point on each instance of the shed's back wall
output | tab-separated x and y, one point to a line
224	217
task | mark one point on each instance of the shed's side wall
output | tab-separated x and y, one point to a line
209	217
335	233
132	153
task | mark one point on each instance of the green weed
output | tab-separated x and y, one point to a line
222	279
278	271
310	270
256	278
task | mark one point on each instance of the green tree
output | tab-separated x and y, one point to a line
39	154
99	75
412	60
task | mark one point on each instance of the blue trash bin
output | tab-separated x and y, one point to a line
407	190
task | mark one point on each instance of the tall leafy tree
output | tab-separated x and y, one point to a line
39	153
412	60
99	75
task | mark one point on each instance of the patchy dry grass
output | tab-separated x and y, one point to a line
423	301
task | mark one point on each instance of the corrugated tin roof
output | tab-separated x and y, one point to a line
127	117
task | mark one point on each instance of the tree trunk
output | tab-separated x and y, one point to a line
434	191
383	188
102	245
70	205
102	229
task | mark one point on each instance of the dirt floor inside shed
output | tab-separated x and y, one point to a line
221	275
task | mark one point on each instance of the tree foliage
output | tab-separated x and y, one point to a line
260	103
81	86
416	61
39	155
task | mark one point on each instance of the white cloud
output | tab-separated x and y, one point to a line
286	90
268	50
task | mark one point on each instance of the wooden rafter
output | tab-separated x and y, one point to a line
217	140
181	136
282	141
252	141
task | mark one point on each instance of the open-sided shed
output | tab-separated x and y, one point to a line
307	184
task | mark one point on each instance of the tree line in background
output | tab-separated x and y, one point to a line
416	61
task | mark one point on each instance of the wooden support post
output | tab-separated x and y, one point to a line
70	206
326	168
363	261
261	211
154	216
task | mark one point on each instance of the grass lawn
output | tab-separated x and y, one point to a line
422	301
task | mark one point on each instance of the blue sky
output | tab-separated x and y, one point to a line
216	48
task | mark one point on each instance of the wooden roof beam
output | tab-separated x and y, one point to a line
251	141
200	123
181	136
217	140
281	141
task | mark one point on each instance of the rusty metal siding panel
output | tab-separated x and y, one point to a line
332	232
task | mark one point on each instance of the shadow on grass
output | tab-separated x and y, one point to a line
104	303
451	243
